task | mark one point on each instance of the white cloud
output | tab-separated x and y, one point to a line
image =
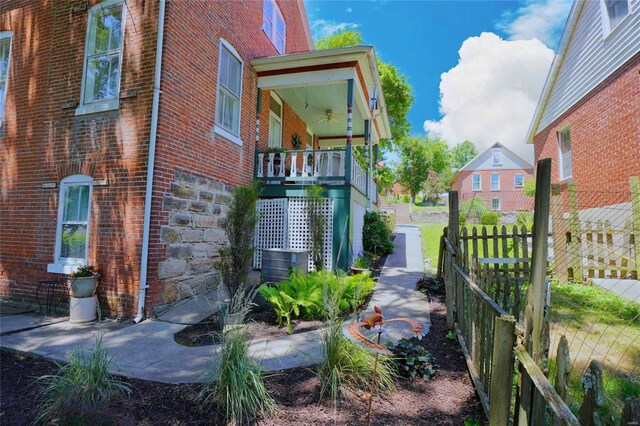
491	95
348	10
541	19
323	27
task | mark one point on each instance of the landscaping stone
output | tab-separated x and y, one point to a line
170	235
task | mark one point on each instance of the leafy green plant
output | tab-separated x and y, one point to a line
451	335
296	141
317	224
470	421
473	208
85	271
462	219
490	218
376	237
79	386
412	360
406	198
524	219
362	262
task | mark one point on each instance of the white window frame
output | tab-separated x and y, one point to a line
515	182
3	101
560	159
497	188
216	127
274	116
275	13
606	20
499	204
107	104
498	157
68	265
479	188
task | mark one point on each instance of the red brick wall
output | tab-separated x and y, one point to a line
512	198
43	141
605	138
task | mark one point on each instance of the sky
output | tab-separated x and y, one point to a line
477	67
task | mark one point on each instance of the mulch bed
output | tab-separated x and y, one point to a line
447	399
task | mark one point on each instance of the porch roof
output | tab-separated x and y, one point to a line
314	85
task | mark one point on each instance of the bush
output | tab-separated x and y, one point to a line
490	218
412	360
406	198
390	220
462	218
524	219
79	386
376	237
301	295
473	208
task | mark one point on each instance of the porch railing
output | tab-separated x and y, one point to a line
359	176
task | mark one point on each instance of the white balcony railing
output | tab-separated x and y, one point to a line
358	176
301	164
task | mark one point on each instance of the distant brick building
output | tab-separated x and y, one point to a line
497	176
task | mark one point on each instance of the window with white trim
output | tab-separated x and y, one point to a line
102	58
495	182
518	181
229	97
613	12
497	157
5	56
72	232
275	121
273	24
495	204
564	151
476	182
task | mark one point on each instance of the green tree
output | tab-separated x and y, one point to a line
461	154
386	177
397	91
418	156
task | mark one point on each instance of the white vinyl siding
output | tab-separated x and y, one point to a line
72	231
590	58
275	122
5	58
229	96
495	204
613	13
564	154
476	182
518	181
273	24
102	58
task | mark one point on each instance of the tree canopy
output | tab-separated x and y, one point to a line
420	155
397	91
461	154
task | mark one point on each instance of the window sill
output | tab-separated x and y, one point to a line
477	190
227	135
110	105
63	268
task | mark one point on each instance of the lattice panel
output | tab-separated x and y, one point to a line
358	224
299	235
271	228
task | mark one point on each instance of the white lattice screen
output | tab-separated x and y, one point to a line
358	224
299	235
271	228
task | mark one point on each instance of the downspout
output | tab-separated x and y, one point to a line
150	165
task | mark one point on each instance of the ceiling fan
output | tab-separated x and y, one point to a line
329	117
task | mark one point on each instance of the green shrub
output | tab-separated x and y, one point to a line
473	208
524	219
79	386
406	198
376	237
412	360
389	219
490	218
462	218
300	295
362	262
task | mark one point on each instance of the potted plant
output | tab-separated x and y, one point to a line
296	141
360	264
84	281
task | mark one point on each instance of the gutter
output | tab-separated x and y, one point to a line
151	165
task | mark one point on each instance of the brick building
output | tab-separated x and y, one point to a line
497	176
124	126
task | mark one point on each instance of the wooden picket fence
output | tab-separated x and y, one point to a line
498	324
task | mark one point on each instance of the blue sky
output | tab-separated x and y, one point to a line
493	77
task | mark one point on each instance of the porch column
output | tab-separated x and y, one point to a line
258	157
349	111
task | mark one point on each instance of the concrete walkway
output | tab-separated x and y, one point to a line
148	350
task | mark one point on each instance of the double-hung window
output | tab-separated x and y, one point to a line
476	182
102	58
518	181
5	56
275	122
564	150
613	12
495	182
72	232
495	204
273	24
497	157
229	93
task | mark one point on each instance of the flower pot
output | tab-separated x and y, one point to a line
83	286
82	309
227	321
357	271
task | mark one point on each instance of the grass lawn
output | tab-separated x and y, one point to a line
420	207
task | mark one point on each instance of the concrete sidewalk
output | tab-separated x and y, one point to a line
148	350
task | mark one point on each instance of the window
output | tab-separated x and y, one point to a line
497	157
495	204
309	144
518	181
613	12
275	121
5	55
476	183
72	233
273	24
229	93
102	58
495	182
564	148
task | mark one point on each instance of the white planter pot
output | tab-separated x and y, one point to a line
83	286
82	309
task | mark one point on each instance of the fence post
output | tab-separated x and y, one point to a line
452	232
631	413
593	388
575	245
634	182
441	253
563	364
502	365
559	226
